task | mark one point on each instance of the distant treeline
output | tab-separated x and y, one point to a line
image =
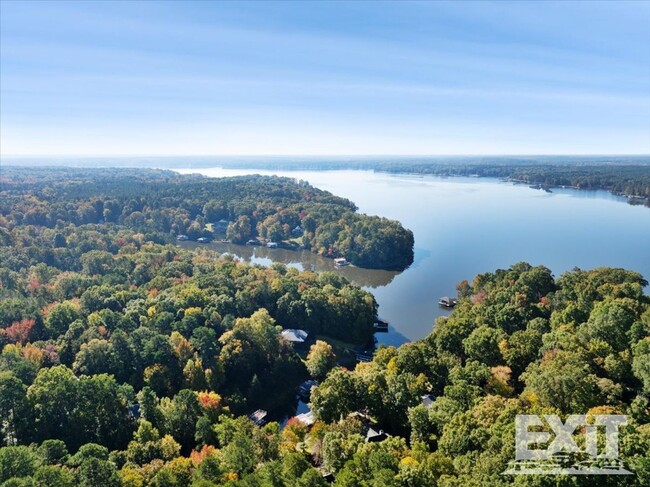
163	204
622	175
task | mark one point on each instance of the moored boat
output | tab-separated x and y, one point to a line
447	302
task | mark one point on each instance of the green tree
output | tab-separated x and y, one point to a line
320	360
641	363
60	317
79	410
483	345
53	452
238	455
338	449
176	473
14	408
311	478
54	476
180	416
94	472
563	380
17	461
240	230
95	357
335	397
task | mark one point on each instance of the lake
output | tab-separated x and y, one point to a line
463	227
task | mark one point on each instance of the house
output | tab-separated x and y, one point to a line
300	339
306	418
258	417
297	232
380	325
427	400
373	435
373	432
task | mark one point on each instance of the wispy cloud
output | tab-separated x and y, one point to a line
359	76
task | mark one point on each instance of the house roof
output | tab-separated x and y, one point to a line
306	418
294	336
374	435
427	400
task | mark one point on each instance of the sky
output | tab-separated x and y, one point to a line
330	78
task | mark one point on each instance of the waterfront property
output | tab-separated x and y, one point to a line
300	339
380	325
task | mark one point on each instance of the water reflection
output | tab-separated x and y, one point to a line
301	260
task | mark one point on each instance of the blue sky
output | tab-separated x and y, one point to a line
172	78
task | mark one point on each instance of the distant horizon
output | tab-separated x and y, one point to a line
433	156
289	162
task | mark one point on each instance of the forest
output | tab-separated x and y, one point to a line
161	205
128	361
620	175
113	376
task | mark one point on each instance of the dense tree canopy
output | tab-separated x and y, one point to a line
125	361
518	342
54	202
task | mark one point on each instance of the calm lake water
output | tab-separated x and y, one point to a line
463	227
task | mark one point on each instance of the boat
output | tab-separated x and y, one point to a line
304	391
258	417
447	302
204	240
271	245
341	262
